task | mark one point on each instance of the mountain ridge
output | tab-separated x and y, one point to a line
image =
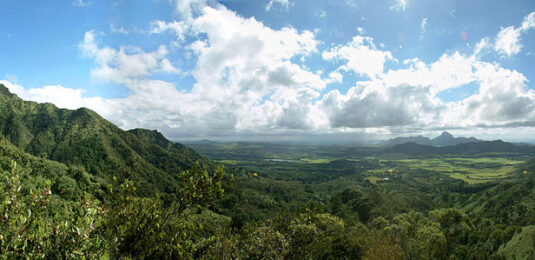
444	139
463	148
83	138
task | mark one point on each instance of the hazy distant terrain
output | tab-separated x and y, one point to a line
445	139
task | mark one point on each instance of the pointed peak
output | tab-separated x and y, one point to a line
446	134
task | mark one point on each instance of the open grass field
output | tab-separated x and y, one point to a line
470	170
299	162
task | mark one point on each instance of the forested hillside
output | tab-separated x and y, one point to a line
84	139
73	185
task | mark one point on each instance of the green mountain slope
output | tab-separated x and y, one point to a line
511	202
85	139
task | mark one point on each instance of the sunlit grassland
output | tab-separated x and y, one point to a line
231	162
307	160
322	163
470	170
373	179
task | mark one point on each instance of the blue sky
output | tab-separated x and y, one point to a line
238	68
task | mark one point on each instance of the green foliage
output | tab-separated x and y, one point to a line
143	227
521	246
28	231
350	203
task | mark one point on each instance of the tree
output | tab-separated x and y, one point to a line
27	230
144	227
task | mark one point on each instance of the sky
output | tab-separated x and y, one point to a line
280	69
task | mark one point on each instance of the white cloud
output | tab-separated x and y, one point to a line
482	45
335	77
188	9
115	29
179	29
361	56
284	3
503	98
246	80
508	39
529	22
247	83
60	96
423	25
242	50
244	67
400	5
370	104
82	3
423	28
450	71
126	65
407	98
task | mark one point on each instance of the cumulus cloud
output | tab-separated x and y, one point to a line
179	29
62	97
503	97
188	9
335	77
245	78
248	79
245	66
372	105
407	97
126	65
243	53
449	71
361	56
508	39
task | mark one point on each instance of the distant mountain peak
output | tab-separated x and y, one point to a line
444	139
446	134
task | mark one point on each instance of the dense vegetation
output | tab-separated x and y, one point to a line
73	185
